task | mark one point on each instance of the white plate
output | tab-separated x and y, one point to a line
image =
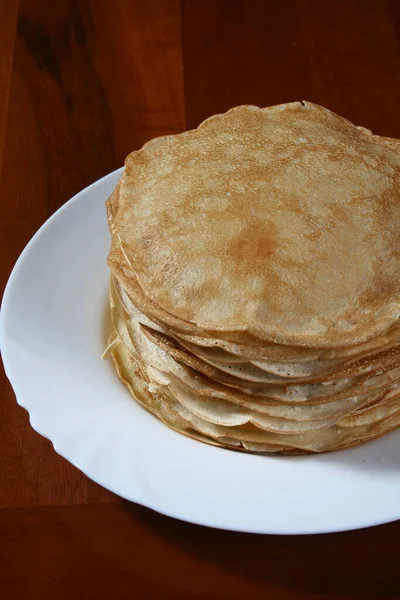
53	326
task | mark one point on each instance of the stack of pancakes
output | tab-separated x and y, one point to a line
255	289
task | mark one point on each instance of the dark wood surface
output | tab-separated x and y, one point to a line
82	83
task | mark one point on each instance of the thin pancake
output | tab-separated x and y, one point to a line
251	349
176	416
264	272
236	376
155	358
377	360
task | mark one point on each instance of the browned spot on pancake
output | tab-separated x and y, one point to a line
206	290
146	242
253	245
379	287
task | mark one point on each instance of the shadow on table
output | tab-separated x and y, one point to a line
361	563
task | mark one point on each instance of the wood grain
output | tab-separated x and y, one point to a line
120	551
82	83
342	54
8	20
78	104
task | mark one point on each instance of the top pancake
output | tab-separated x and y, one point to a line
281	223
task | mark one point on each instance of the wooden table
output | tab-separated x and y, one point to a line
82	83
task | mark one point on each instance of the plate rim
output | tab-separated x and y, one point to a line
23	401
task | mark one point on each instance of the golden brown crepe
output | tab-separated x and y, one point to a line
255	290
239	225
